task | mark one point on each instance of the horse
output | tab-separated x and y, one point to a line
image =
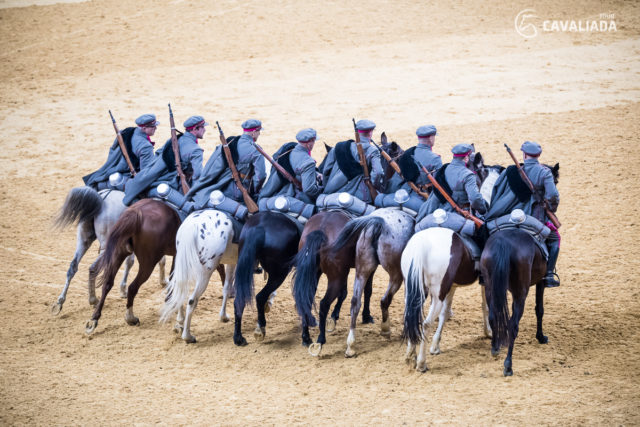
147	229
203	243
436	261
270	238
511	260
96	213
378	239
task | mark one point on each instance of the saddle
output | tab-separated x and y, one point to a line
532	226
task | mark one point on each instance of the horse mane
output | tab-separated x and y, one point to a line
349	166
442	180
408	167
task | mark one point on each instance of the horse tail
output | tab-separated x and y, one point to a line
186	264
499	310
305	279
119	245
253	241
82	204
412	270
354	228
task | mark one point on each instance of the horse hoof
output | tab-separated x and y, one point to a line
368	320
349	353
190	339
331	324
495	352
259	333
422	367
134	321
240	342
164	283
507	372
224	318
267	308
93	301
56	308
177	328
315	349
543	339
410	361
385	329
313	323
90	326
434	351
306	343
123	294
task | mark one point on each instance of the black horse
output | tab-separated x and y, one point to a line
270	238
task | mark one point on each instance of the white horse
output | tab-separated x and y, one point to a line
204	241
434	262
96	213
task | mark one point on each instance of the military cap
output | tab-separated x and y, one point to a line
365	125
147	120
251	125
194	121
427	130
461	150
305	135
531	148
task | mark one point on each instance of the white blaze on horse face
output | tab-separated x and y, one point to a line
487	185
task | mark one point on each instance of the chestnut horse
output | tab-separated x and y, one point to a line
148	230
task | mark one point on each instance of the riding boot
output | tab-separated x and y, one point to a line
550	280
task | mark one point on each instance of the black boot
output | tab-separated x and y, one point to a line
551	279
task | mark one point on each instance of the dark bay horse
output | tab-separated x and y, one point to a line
148	230
377	239
270	238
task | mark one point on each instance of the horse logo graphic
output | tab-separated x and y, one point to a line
523	23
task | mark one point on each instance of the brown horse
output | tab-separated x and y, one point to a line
148	229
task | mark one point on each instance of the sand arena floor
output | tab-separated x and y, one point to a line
461	66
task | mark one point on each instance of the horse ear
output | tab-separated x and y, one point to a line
383	138
473	146
327	147
394	146
556	168
478	160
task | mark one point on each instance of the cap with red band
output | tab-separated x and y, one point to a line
461	150
251	125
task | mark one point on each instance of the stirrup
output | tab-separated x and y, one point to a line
551	280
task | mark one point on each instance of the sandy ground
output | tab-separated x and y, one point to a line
458	65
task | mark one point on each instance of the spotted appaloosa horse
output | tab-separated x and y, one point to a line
378	239
204	242
96	213
147	229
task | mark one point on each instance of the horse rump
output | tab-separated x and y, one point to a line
354	228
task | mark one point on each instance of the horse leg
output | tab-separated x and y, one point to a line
92	281
445	313
356	301
517	309
161	269
542	338
275	280
410	355
485	312
179	325
270	300
228	274
427	326
395	281
334	287
201	285
85	236
335	314
145	270
97	313
366	311
128	263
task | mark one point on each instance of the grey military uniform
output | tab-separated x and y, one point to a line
423	155
191	153
337	182
464	191
216	175
304	167
142	148
503	200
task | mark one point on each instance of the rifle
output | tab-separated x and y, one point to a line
251	205
552	217
478	222
125	153
363	163
176	153
396	168
280	169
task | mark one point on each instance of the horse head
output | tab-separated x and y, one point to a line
328	148
394	151
555	171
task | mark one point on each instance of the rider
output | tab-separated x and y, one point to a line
163	168
304	168
334	177
141	154
504	200
217	175
459	182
